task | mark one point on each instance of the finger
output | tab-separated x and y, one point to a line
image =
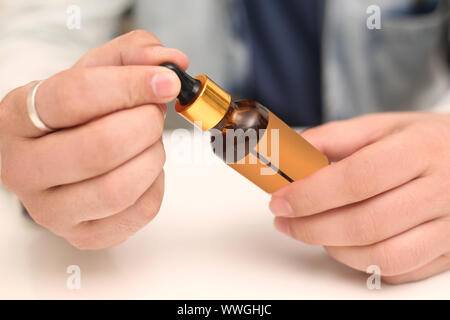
104	233
77	96
115	88
370	221
400	254
100	197
372	170
339	139
84	152
138	47
435	267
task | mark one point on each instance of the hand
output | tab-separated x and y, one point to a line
386	199
98	178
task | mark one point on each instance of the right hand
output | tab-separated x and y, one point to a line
98	178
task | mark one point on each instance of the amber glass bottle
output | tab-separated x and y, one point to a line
246	135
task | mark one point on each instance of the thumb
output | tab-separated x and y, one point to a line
340	139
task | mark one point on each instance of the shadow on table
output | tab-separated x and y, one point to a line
49	266
294	255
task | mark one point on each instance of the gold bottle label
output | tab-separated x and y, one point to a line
280	157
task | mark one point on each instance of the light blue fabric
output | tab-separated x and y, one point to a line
403	66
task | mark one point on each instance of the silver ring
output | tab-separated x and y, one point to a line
31	108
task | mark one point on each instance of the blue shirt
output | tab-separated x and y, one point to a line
284	39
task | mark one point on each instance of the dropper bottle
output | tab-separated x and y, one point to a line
246	135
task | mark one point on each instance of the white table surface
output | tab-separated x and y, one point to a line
213	239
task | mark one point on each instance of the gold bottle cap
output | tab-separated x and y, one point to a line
210	106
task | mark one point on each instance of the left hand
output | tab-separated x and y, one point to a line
386	199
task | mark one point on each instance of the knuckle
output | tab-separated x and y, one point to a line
129	226
158	124
335	125
95	241
384	256
447	256
148	125
99	148
60	97
152	123
66	78
149	211
303	231
9	102
356	173
5	105
20	167
140	34
154	51
308	201
301	199
134	88
133	224
10	178
42	217
362	228
84	240
86	58
46	216
435	133
114	196
161	159
98	153
157	193
81	243
443	194
163	156
85	82
9	97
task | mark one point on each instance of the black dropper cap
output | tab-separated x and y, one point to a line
190	87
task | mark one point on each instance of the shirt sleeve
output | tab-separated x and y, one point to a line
41	37
444	103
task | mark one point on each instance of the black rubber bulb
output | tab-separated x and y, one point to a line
190	87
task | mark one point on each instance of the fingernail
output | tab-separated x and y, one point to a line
165	85
280	207
282	225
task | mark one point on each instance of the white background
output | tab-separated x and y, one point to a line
213	239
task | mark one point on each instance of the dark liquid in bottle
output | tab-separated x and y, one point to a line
240	130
